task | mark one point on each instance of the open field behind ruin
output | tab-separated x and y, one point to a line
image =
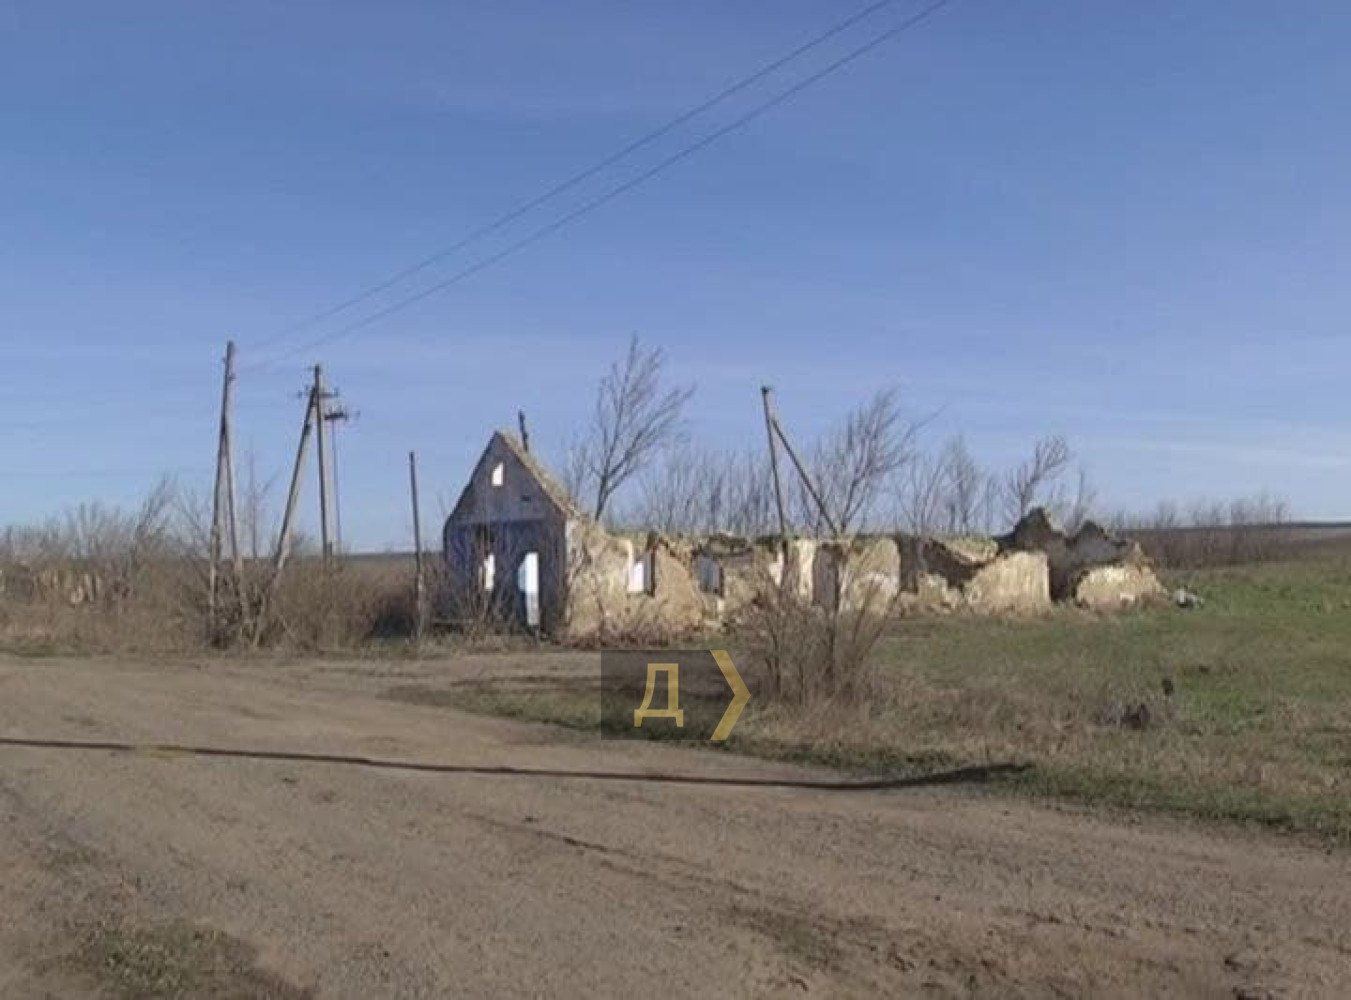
1239	709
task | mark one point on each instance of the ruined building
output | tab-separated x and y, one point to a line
520	552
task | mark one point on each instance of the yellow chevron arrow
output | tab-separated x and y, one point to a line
740	695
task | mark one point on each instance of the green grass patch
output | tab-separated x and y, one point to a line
1239	710
176	960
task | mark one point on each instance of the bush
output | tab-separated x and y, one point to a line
104	579
812	655
319	607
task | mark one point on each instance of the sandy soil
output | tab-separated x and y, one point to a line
335	879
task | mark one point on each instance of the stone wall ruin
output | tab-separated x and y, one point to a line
516	545
712	582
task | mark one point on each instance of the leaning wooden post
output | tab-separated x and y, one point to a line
806	478
419	580
288	519
767	397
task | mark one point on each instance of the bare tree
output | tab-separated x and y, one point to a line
1080	508
946	492
855	464
1037	480
919	495
258	524
702	491
1166	515
635	417
750	508
684	493
573	472
966	490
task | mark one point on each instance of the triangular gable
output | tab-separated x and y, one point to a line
502	447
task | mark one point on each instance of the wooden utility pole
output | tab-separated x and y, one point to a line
335	415
806	476
767	397
287	519
318	396
293	494
330	517
222	496
419	582
231	501
525	434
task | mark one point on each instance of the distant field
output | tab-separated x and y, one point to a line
1236	544
1238	710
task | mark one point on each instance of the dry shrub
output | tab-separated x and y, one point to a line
811	655
472	611
339	606
104	579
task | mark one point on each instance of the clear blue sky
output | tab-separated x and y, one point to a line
1129	223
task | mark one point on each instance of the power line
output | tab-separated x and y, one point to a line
571	182
585	209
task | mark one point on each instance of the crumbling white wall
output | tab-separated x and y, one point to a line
869	575
1013	583
971	574
1111	588
1071	556
876	573
602	605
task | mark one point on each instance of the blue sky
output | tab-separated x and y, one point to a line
1127	223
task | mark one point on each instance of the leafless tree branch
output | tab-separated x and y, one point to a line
636	415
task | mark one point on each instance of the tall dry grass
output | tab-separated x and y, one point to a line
104	579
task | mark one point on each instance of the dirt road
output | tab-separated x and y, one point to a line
222	876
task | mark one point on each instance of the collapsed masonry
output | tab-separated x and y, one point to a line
520	552
1093	568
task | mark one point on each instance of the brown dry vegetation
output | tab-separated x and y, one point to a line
103	580
807	655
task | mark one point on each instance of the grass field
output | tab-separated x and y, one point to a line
1238	710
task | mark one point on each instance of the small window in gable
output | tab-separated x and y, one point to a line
499	474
